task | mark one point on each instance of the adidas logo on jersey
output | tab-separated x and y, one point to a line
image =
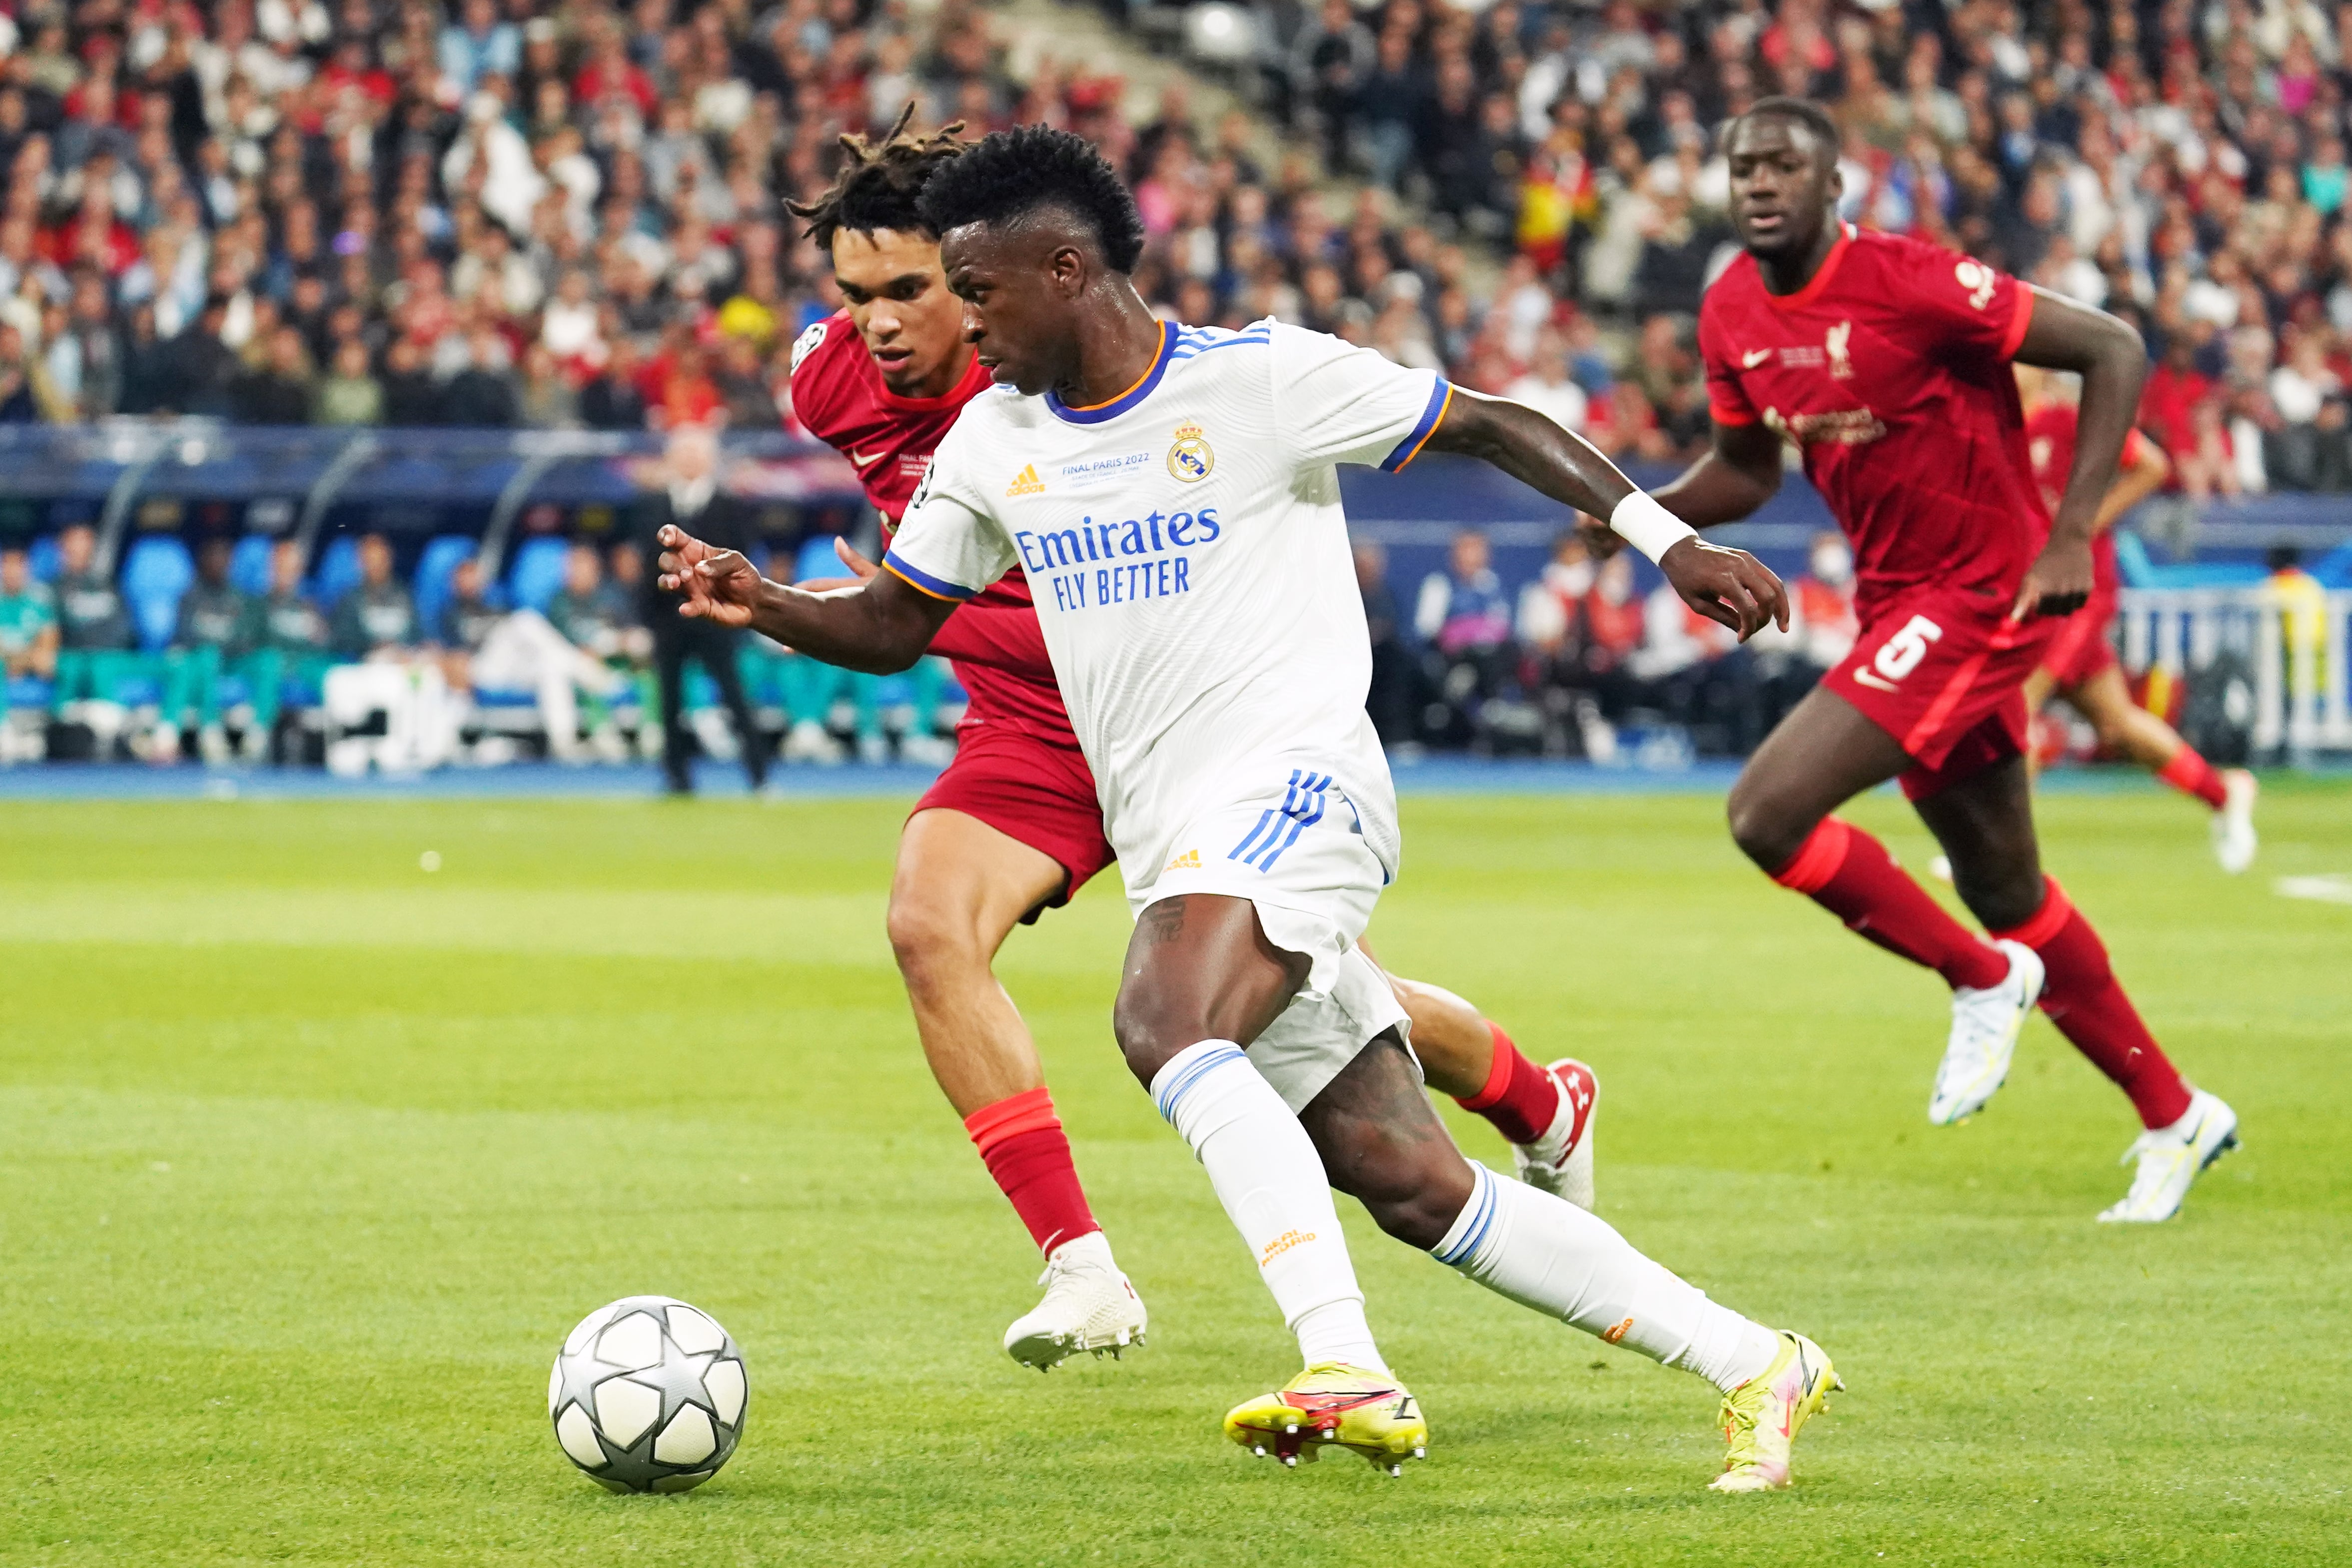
1027	482
1188	861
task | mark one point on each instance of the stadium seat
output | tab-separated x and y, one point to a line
155	578
249	564
2138	571
43	558
2334	569
434	567
336	572
537	576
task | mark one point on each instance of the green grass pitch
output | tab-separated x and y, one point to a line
311	1157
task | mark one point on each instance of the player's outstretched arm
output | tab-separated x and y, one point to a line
1726	586
882	625
2113	363
1740	472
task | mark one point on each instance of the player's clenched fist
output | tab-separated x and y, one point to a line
720	585
2058	582
1726	586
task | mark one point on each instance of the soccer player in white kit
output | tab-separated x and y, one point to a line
1171	494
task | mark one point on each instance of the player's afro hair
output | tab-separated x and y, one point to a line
1805	112
879	182
1009	174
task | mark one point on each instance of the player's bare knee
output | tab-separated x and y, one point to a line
1766	830
932	945
1149	1033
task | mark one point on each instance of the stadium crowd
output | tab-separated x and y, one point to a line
505	213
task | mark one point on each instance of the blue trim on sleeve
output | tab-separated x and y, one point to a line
1406	448
937	587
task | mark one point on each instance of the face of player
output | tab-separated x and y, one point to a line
1784	187
1019	287
898	300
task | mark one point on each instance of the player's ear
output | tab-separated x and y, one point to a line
1067	267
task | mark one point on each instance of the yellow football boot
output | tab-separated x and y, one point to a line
1762	1416
1333	1403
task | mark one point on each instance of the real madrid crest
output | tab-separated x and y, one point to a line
1190	459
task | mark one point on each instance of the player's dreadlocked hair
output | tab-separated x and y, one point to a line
1805	112
879	182
1012	172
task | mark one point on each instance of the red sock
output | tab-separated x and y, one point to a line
2192	774
1850	874
2087	1002
1521	1098
1021	1140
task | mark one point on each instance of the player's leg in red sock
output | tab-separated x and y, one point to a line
1985	823
1824	753
1521	1098
2191	774
1021	1140
1466	1055
1853	876
2084	998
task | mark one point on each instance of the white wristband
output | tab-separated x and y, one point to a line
1648	527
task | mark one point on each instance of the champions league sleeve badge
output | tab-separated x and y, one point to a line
1190	459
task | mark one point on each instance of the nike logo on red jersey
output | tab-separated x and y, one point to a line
1750	360
863	458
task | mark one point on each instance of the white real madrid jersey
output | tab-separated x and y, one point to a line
1191	566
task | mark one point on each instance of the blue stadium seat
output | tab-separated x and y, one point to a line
537	575
2334	569
434	567
155	578
2138	571
26	691
336	572
43	558
249	564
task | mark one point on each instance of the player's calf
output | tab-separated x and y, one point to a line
1382	1145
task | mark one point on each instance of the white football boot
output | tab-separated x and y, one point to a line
2171	1158
1985	1025
1089	1306
2234	842
1561	1162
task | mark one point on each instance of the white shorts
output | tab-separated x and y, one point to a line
1300	858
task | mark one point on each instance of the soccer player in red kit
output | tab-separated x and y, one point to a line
1013	826
2079	665
1886	362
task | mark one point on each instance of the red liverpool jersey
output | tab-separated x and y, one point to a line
1890	373
999	651
2050	444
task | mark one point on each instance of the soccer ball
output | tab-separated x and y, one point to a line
647	1395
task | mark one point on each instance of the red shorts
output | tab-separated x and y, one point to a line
1030	790
2081	649
1942	671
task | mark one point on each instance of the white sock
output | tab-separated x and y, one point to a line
1273	1186
1546	1253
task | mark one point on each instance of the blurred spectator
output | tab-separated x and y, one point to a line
281	392
348	395
487	647
95	664
377	617
29	620
1463	615
217	631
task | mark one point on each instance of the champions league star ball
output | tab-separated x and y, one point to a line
647	1395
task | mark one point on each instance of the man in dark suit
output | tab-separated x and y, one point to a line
689	496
